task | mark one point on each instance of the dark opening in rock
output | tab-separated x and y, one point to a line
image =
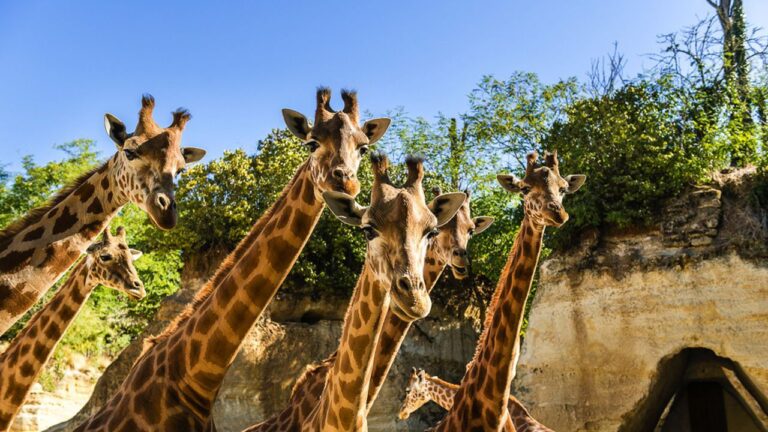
696	390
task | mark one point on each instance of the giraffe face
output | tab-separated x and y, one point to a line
450	244
398	225
111	264
416	394
543	190
148	161
336	141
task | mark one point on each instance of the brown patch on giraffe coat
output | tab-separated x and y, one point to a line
35	234
280	253
309	193
95	207
85	191
346	416
217	347
285	216
14	260
237	318
65	221
26	369
66	312
358	344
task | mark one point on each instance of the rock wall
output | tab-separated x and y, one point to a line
609	312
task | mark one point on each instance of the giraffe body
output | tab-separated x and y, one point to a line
36	250
481	401
108	262
174	383
423	388
449	246
398	226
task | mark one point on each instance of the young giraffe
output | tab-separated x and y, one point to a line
108	262
423	388
397	225
449	247
481	400
36	250
173	385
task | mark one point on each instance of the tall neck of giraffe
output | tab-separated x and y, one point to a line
25	357
394	331
35	253
485	386
206	340
342	406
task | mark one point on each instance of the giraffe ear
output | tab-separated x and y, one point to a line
192	154
297	123
482	223
136	254
115	129
445	206
510	182
575	181
374	129
344	207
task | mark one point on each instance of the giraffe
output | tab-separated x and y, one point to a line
448	248
481	400
423	388
397	225
172	386
36	250
108	262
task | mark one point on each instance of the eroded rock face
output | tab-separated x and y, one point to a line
607	313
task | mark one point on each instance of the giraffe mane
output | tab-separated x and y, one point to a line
223	270
33	216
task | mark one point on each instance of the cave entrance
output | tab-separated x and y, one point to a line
696	390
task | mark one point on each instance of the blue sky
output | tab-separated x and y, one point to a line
234	65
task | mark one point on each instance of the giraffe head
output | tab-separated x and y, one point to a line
416	394
149	159
110	262
450	244
398	225
336	141
543	189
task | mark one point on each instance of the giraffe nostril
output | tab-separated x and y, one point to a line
137	284
554	206
404	283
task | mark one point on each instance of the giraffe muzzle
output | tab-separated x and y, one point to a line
162	210
410	299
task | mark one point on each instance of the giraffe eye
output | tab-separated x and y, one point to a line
363	150
312	145
471	232
433	233
181	171
525	189
130	154
105	257
369	232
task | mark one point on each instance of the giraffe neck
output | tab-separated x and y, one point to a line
49	240
25	357
207	337
443	392
342	406
485	386
440	392
394	331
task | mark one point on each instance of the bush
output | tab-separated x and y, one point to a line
637	147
